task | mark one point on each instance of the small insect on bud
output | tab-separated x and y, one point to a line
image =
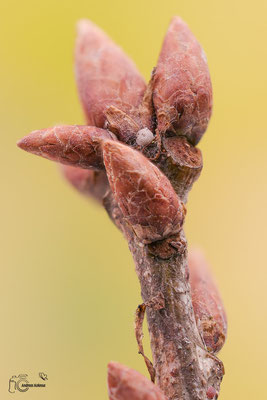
68	144
127	384
145	196
89	183
182	92
207	303
144	137
105	75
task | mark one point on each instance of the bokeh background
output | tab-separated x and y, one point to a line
68	288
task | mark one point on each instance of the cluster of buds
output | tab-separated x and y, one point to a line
139	148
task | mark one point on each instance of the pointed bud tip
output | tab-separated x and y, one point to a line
177	23
83	25
176	19
21	144
29	143
77	145
114	367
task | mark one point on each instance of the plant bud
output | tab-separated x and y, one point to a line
89	183
68	144
207	303
105	75
145	196
127	384
182	92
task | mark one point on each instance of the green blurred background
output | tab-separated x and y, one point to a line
68	286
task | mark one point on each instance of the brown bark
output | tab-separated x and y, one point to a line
184	369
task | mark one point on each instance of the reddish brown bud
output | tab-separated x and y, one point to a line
105	75
127	384
145	196
68	144
207	303
182	88
89	183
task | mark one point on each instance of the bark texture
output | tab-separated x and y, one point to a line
184	368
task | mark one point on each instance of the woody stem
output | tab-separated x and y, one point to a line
183	367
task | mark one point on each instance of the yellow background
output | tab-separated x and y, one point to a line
68	288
